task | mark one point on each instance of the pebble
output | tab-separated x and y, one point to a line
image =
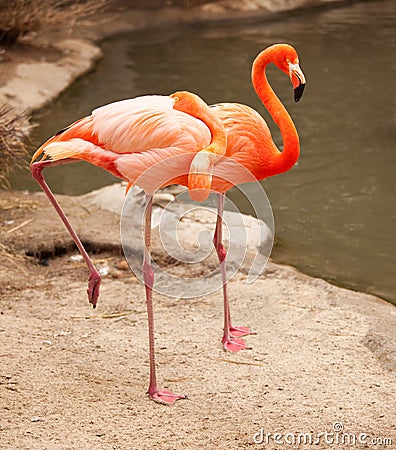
104	270
122	265
76	258
118	274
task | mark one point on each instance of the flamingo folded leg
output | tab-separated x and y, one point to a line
160	396
229	341
94	278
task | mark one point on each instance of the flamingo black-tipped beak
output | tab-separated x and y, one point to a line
298	80
298	92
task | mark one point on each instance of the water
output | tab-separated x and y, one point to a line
335	211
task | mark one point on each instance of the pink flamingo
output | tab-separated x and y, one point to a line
128	138
250	147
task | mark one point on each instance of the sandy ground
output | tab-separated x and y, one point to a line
73	378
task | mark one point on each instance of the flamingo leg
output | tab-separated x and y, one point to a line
160	396
229	340
94	276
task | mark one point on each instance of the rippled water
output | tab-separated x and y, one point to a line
335	212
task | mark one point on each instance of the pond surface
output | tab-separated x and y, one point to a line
335	211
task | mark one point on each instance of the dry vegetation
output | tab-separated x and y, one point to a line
18	17
13	151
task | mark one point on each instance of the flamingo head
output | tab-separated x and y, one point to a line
188	102
286	59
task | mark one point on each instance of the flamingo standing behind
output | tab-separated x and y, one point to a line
250	147
157	135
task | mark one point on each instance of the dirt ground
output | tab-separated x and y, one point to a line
72	377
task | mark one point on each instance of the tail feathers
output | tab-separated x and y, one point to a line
40	151
76	148
81	129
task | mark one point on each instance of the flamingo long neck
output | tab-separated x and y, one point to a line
218	142
286	159
197	108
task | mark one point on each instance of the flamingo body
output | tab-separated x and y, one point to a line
130	137
152	140
252	155
247	133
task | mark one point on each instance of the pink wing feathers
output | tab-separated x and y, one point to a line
133	136
143	123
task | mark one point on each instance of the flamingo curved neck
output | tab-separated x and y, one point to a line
286	159
197	108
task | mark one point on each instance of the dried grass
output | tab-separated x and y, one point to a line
13	150
18	17
8	256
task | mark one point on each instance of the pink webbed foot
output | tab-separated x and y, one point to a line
93	287
165	397
234	345
240	331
